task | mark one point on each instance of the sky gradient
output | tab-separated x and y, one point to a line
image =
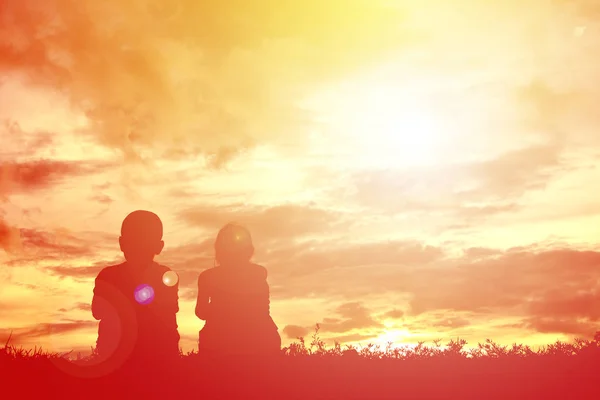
408	172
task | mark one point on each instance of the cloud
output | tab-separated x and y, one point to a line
476	191
549	105
102	198
393	314
189	259
515	281
19	143
571	302
9	236
353	337
451	323
34	175
22	335
76	272
569	326
351	316
295	331
348	270
58	246
212	77
281	222
78	306
442	293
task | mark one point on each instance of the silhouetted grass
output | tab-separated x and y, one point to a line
309	371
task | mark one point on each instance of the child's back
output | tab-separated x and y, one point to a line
237	295
137	301
233	299
137	311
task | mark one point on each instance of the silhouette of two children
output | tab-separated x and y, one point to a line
137	301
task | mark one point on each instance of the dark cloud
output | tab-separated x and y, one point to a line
9	236
33	175
295	331
568	326
570	302
53	243
351	316
60	247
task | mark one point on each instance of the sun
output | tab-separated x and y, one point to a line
397	136
378	125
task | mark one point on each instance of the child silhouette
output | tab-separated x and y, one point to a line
137	300
233	299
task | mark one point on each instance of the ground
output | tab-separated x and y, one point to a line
560	371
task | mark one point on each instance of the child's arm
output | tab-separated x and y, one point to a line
202	301
99	302
172	298
171	308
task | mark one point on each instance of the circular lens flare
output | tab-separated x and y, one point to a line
170	278
144	294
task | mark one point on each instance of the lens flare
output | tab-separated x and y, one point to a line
170	278
144	294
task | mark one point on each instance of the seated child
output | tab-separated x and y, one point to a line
137	301
233	299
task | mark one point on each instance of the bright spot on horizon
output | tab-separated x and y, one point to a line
170	278
395	336
144	294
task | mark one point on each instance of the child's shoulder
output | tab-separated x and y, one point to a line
207	273
262	270
162	268
110	271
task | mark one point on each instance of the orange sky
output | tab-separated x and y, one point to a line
408	172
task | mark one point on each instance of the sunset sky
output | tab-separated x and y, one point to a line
409	170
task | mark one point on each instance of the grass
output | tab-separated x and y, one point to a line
313	371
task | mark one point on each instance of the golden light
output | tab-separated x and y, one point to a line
393	336
381	125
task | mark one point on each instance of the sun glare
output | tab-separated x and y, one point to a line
381	126
398	137
394	336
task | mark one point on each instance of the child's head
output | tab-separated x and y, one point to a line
233	245
141	236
